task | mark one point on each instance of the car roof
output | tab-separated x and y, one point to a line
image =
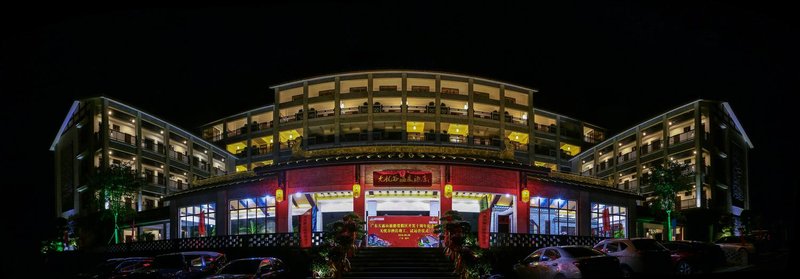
130	259
256	259
192	253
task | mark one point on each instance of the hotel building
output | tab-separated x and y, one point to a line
400	143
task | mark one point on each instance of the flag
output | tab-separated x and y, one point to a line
606	220
202	226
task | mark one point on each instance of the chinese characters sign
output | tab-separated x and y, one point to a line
402	231
402	178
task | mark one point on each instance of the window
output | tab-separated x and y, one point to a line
252	215
553	216
198	220
552	255
609	220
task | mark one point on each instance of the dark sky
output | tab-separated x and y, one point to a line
608	63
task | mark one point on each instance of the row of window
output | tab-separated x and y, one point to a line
547	216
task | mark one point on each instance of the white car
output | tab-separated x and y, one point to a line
567	262
637	255
737	249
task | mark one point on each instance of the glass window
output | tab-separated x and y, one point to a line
553	216
609	220
198	220
252	215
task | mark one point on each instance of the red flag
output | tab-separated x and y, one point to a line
202	226
606	220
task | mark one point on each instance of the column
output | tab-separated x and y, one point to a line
336	109
358	203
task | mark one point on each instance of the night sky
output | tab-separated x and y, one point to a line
608	63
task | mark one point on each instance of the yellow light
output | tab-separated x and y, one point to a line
644	133
279	195
526	195
356	190
448	191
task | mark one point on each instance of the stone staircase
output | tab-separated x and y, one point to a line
400	263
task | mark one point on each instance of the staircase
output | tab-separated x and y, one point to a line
400	263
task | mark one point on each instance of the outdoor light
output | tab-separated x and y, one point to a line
205	151
448	191
162	166
184	173
525	116
162	132
620	144
133	120
670	123
109	112
184	142
508	195
466	106
601	153
341	104
109	152
298	194
223	159
134	158
279	195
694	152
526	195
356	190
644	133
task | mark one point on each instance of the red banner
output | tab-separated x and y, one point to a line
606	221
402	178
305	229
402	231
484	223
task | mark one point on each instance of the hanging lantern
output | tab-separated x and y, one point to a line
526	195
356	190
279	195
448	191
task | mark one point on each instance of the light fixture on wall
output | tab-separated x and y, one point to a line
279	195
356	190
448	190
525	196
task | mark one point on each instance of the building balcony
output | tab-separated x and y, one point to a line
178	185
422	109
154	180
313	114
122	137
516	120
387	109
455	112
486	141
589	172
543	150
179	156
681	138
153	148
627	157
486	115
218	171
353	110
544	128
291	118
261	126
650	148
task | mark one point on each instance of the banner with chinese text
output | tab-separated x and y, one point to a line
402	231
402	178
484	223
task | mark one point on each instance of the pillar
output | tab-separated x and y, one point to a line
358	203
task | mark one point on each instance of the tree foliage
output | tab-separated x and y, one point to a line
667	180
111	188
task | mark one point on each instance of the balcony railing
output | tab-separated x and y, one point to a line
155	148
217	171
544	150
261	126
592	139
519	146
154	180
688	203
628	185
681	138
179	156
544	128
630	156
486	115
589	172
652	147
320	113
486	141
517	120
352	110
382	109
455	111
416	137
419	109
122	137
178	184
290	118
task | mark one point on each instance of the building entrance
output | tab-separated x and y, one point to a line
402	218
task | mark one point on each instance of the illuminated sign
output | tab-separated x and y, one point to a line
402	231
401	178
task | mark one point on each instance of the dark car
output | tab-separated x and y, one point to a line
694	256
183	265
253	268
117	267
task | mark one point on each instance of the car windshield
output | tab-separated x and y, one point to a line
579	252
648	245
241	267
169	261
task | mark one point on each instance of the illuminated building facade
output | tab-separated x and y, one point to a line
395	143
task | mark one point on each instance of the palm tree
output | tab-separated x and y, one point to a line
667	180
112	187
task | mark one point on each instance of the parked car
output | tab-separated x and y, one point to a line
183	265
637	255
694	256
568	262
117	267
738	249
253	268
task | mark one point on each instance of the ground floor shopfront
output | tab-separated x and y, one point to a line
401	202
